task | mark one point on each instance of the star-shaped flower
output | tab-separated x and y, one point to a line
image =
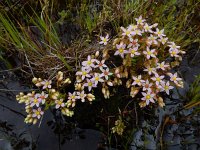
127	32
104	40
174	78
159	33
90	84
140	20
166	87
59	103
163	40
173	46
150	70
149	53
42	97
174	52
146	85
81	95
148	28
89	63
46	84
35	101
97	78
121	50
148	97
37	113
100	64
152	40
133	51
157	79
133	43
162	65
72	96
137	80
83	73
106	73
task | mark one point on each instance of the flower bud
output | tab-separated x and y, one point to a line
68	81
97	54
34	80
34	121
110	83
160	102
103	90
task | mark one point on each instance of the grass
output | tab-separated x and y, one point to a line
37	35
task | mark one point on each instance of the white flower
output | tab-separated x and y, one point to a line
97	78
174	78
90	84
140	20
127	32
137	32
146	85
163	40
159	33
121	49
72	96
147	28
133	51
42	97
137	80
149	53
148	97
100	64
59	103
162	66
81	95
157	79
150	70
106	73
174	52
46	84
83	73
35	101
89	63
152	39
132	27
37	113
173	46
166	87
133	43
104	40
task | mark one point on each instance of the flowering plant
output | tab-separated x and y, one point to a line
141	58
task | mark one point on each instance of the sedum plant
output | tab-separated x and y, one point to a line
141	59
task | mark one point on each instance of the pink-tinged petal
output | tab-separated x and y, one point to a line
144	94
38	116
116	53
89	88
57	106
147	102
152	100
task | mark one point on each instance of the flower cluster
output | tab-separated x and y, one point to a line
92	73
119	127
147	57
37	102
141	58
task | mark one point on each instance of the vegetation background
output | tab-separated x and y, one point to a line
40	38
